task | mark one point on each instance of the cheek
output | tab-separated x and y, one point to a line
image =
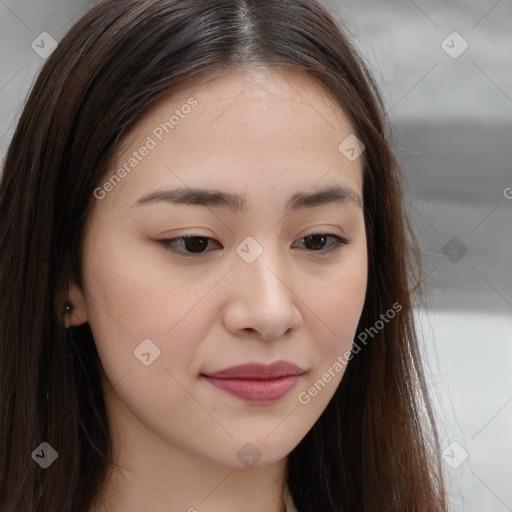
136	308
339	310
341	305
332	335
338	295
336	304
147	325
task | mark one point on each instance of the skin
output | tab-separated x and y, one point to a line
265	134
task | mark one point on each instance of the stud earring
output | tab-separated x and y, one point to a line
68	308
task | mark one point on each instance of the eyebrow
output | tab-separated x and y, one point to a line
237	203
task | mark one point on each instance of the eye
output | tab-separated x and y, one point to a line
190	244
196	245
316	242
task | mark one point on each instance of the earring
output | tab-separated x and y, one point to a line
68	308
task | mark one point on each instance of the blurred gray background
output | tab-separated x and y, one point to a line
444	69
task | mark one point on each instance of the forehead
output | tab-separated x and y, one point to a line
252	124
259	93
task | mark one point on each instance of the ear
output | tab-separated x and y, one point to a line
78	315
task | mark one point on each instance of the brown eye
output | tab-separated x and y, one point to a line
188	245
316	242
196	244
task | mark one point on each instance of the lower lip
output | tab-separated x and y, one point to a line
257	391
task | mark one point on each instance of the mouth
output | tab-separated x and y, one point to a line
257	383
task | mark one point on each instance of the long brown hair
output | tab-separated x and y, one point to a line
375	447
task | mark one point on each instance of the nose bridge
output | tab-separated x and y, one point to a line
259	271
261	290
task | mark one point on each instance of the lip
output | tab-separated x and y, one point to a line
257	383
258	371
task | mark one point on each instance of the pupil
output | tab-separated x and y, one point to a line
318	245
194	243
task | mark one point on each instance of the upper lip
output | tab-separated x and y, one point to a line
258	371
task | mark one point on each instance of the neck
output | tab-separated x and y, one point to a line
196	487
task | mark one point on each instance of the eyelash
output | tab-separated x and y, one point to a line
338	244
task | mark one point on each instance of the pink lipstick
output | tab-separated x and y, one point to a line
257	383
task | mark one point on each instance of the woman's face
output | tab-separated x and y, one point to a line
251	287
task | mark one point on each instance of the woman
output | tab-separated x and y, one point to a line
205	273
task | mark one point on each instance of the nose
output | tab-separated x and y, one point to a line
261	298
